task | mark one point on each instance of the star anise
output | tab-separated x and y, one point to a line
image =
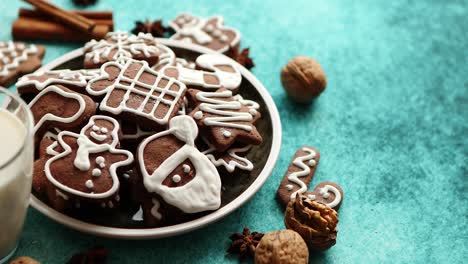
84	2
244	243
156	28
241	57
96	255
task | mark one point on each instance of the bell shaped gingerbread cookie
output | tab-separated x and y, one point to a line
219	72
83	167
299	175
210	33
136	92
173	168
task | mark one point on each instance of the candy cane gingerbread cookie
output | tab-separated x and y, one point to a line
220	72
225	118
83	167
210	33
299	175
17	58
59	107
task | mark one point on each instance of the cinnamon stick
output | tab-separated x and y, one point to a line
25	28
74	20
98	17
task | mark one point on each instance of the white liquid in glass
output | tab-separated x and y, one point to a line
15	180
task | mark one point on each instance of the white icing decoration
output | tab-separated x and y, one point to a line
289	187
98	137
61	194
236	161
126	175
52	117
202	31
149	95
155	208
311	196
203	192
103	130
299	162
100	159
226	133
102	165
117	198
95	128
138	216
198	115
324	191
312	162
166	57
176	178
253	112
226	112
89	184
78	78
12	64
186	168
96	172
82	158
111	204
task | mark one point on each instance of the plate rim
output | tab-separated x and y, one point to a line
167	231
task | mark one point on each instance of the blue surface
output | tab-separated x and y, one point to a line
391	128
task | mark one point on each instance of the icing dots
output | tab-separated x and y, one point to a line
176	178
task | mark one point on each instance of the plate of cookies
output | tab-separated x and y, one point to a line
139	137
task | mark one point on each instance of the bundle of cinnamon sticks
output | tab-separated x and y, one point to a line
51	23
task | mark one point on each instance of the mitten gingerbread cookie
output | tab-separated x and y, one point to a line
136	92
16	59
174	169
120	46
299	175
220	72
225	118
83	167
59	107
75	80
210	33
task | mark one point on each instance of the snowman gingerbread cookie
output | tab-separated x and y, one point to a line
82	168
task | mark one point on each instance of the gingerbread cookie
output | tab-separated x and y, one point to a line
299	175
75	80
135	91
233	159
59	107
210	33
83	167
17	58
120	46
220	72
225	118
173	168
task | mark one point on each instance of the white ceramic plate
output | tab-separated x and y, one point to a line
147	233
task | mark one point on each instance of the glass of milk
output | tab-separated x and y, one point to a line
16	163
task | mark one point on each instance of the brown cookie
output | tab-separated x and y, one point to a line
120	46
59	107
210	33
218	72
176	171
75	80
232	160
82	167
16	59
135	92
224	118
299	175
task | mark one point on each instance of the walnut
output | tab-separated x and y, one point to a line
315	222
303	79
24	260
284	246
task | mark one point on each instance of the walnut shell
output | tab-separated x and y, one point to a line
303	79
24	260
315	222
284	246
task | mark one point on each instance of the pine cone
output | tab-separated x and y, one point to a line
315	222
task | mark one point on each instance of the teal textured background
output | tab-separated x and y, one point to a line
392	127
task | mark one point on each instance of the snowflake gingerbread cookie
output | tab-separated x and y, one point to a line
210	33
17	58
83	167
134	90
120	46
